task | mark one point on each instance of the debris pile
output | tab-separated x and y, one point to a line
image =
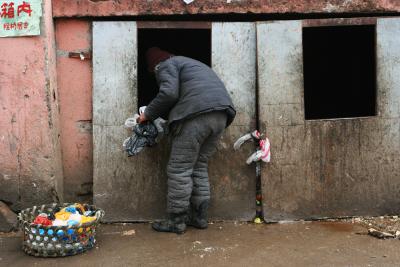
383	227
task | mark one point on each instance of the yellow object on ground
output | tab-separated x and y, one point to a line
257	220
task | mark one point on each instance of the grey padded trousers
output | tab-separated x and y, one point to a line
193	143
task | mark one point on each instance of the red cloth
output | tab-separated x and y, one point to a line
42	220
155	55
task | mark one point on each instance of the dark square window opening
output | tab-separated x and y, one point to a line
339	72
193	43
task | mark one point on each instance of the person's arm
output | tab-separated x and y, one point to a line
168	94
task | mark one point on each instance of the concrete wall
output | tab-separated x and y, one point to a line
327	168
232	182
70	8
140	181
30	158
74	78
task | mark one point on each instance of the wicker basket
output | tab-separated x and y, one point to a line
56	241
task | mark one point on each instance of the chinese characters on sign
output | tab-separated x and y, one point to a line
20	18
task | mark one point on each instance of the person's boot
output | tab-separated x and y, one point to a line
199	216
174	224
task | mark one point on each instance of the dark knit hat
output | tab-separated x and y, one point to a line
155	55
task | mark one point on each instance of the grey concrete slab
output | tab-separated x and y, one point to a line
326	168
128	189
280	62
232	181
134	189
388	67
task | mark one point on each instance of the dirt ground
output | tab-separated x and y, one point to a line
223	244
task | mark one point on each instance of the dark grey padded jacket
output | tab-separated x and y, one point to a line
187	88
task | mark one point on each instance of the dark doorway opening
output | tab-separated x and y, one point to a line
193	43
339	72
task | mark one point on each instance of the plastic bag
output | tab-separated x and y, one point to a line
144	135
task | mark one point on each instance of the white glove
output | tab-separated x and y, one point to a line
250	136
241	141
264	153
142	109
131	122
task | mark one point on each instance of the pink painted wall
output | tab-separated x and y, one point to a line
30	158
74	77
